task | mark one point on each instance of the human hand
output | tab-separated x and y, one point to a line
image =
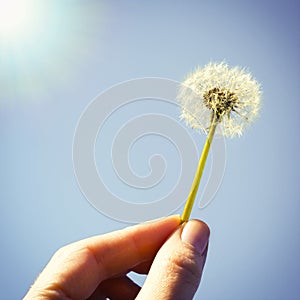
172	255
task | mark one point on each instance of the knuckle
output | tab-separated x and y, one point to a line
186	265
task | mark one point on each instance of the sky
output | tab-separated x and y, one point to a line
59	57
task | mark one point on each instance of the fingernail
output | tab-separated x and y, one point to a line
196	233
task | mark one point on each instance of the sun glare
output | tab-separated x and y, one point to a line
16	17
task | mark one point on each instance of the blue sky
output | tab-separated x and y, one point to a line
76	50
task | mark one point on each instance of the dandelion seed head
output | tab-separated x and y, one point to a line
232	95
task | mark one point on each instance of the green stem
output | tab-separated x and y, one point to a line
193	192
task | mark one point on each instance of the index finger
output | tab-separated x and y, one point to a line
121	250
77	269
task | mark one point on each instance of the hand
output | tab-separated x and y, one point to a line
173	255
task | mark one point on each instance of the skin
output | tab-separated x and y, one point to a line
96	268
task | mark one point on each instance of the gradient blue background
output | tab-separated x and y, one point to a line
81	48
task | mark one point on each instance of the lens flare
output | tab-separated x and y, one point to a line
16	17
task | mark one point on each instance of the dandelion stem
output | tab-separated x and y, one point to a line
193	192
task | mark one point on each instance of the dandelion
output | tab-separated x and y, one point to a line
217	99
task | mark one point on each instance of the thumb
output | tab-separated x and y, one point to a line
177	268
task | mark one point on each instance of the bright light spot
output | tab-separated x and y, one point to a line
16	17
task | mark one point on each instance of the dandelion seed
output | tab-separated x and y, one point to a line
217	99
232	95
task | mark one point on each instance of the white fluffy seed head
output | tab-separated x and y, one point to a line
232	95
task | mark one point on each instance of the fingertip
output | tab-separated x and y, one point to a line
173	218
196	233
161	225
